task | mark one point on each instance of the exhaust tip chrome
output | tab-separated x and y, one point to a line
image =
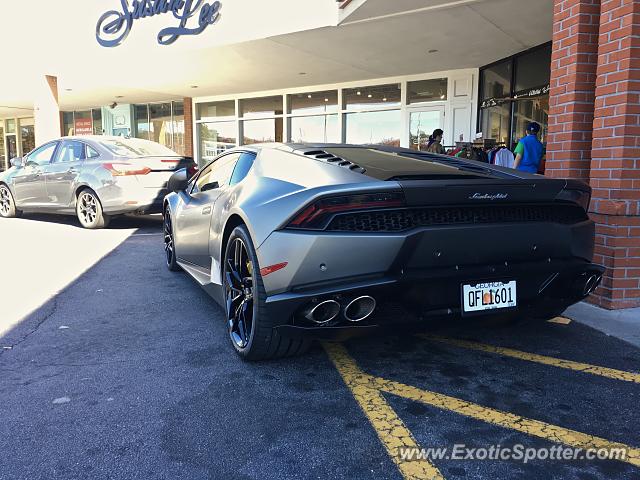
323	312
359	308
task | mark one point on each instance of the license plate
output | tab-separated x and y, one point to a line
488	296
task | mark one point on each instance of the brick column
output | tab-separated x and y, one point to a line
573	76
615	165
188	127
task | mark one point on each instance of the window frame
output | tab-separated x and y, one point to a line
56	144
202	171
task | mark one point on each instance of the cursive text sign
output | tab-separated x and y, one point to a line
193	17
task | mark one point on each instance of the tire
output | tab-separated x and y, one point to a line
261	341
7	204
169	243
89	210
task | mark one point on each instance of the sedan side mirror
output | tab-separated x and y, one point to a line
178	181
16	162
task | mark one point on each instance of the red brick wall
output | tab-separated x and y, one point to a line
573	76
188	126
615	165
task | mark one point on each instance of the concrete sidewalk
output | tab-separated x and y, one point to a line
622	324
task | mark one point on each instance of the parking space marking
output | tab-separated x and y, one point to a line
365	388
390	429
542	359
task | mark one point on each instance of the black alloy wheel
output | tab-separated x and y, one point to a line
169	243
238	287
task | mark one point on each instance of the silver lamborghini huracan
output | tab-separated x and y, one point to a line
297	241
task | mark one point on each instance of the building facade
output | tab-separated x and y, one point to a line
358	71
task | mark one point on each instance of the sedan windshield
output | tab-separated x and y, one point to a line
135	147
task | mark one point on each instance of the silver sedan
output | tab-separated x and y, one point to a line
94	178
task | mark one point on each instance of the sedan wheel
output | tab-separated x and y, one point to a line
89	211
7	205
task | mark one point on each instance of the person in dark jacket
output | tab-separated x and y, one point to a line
529	150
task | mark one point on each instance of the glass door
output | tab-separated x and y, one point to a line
422	122
12	147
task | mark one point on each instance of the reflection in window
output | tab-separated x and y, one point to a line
215	138
218	111
96	115
374	128
178	128
434	90
495	122
3	159
533	69
319	128
496	81
372	97
67	123
421	126
262	131
261	107
527	111
313	102
141	119
27	134
161	129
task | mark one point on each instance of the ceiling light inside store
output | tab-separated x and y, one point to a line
369	96
441	97
326	99
384	99
308	96
358	93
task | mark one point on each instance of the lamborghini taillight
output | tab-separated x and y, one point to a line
317	214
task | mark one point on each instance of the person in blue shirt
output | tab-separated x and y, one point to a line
529	150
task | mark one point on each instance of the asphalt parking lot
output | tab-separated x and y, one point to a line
127	373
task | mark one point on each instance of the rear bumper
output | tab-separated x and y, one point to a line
420	273
543	287
118	199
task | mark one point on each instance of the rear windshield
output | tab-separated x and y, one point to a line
135	147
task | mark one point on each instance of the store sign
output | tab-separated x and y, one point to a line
83	126
193	17
530	93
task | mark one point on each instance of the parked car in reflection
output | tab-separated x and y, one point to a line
93	177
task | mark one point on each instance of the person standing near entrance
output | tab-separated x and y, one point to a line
435	142
529	150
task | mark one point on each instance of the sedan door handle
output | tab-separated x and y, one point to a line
206	210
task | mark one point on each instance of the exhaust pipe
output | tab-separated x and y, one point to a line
323	312
359	308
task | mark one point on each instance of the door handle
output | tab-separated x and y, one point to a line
206	210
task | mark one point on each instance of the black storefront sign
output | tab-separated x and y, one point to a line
114	26
529	93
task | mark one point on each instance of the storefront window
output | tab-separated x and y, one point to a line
141	120
434	90
260	131
217	111
261	107
11	126
178	128
96	115
215	138
67	123
313	102
161	129
373	128
496	80
3	158
506	106
27	135
316	128
381	96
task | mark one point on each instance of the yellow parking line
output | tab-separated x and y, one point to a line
533	357
363	383
391	431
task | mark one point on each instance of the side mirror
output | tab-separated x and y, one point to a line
178	181
16	162
210	186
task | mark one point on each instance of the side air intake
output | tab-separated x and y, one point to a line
330	158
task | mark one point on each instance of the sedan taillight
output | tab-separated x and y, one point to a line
123	169
316	215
